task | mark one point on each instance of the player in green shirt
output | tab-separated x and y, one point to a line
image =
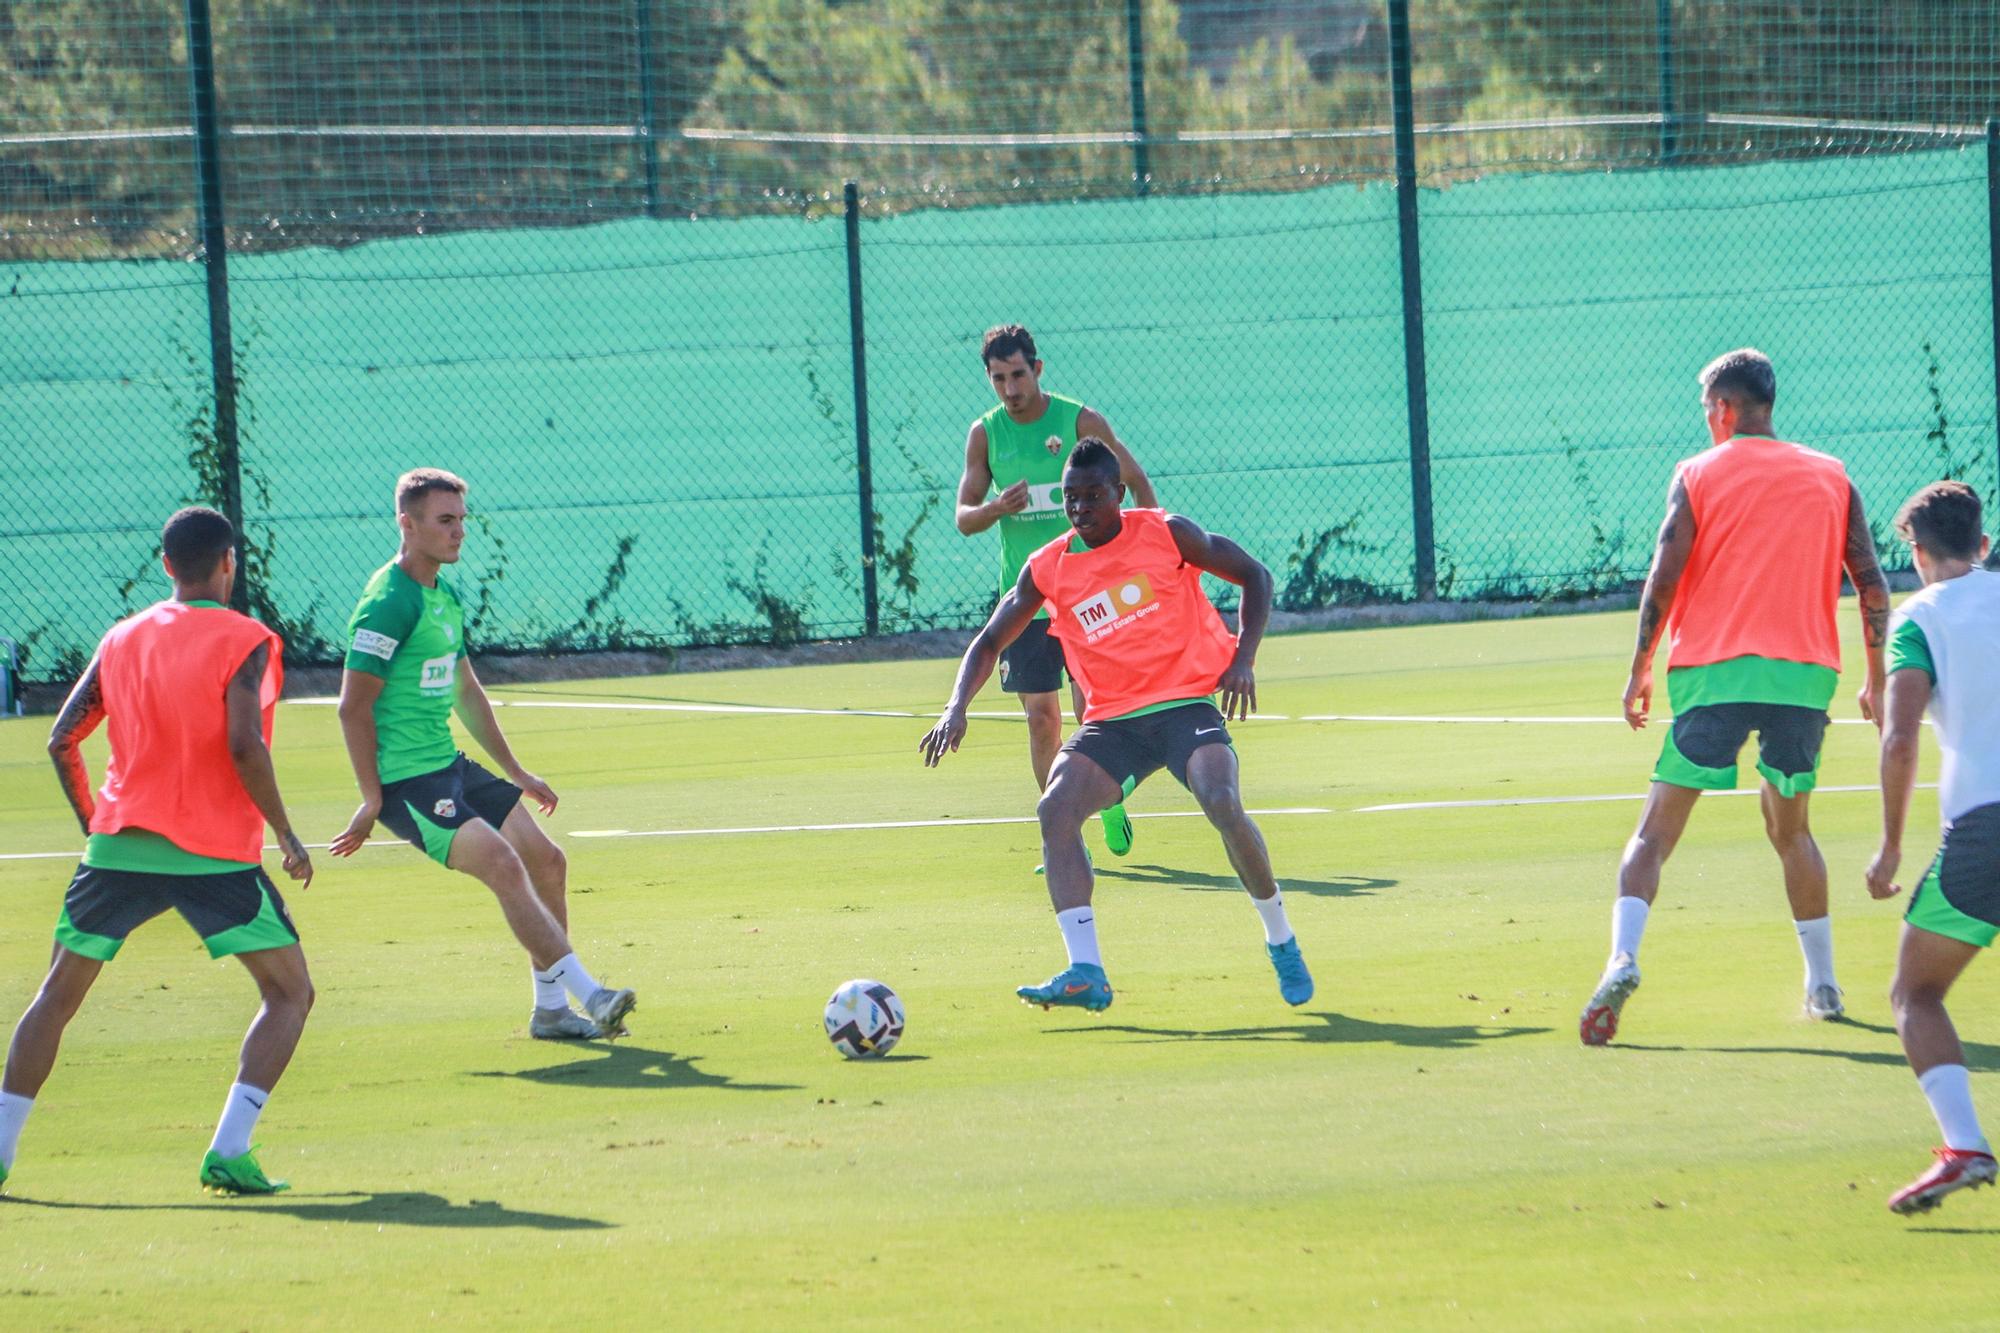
407	674
1016	451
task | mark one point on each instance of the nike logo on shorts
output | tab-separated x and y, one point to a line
1206	731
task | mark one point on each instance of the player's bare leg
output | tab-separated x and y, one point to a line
1661	824
1789	827
548	872
1926	966
231	1165
1078	788
287	991
1045	732
38	1036
479	850
1212	774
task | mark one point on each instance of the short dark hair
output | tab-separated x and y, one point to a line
194	541
1745	374
1943	518
1094	455
415	484
1003	340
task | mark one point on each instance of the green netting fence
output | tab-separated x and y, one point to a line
597	258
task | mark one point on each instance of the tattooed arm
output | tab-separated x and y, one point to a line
81	713
1669	562
1872	591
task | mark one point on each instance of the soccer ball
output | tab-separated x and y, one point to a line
864	1019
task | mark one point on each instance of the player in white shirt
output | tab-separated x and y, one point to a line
1944	651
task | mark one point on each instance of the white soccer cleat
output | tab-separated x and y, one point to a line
1599	1023
607	1008
563	1024
1823	1003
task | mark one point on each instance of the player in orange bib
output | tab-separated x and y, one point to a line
1747	580
1149	653
187	689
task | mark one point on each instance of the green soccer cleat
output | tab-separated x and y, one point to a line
237	1175
1117	829
1078	986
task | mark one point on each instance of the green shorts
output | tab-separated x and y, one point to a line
1960	895
239	911
1701	746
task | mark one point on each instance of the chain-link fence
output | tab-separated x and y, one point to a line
1407	298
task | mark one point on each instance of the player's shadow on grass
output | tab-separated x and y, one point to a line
1345	886
626	1066
1979	1057
1332	1029
400	1208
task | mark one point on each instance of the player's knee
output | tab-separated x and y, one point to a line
551	862
1908	994
1647	850
1222	803
1059	811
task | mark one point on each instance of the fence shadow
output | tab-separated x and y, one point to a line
395	1208
1341	886
627	1066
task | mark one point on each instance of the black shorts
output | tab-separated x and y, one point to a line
1033	663
1959	897
1700	751
428	810
1131	749
236	911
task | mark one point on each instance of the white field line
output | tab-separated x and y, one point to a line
896	823
751	829
774	710
1577	800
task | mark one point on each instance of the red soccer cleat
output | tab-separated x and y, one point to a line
1955	1169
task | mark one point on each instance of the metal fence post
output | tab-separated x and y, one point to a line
215	259
1135	62
649	124
1425	541
1670	125
857	336
1993	270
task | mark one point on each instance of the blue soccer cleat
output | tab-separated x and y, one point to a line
1079	986
1295	984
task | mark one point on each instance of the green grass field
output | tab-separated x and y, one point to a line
1425	1144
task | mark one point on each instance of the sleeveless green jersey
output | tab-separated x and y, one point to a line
1033	452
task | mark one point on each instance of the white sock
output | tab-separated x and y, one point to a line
239	1119
1949	1092
548	988
1816	943
1628	925
569	974
14	1110
1079	930
1276	928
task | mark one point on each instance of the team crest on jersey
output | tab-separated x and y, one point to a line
445	808
1054	444
1115	607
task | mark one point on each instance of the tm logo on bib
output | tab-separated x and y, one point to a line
1115	607
439	673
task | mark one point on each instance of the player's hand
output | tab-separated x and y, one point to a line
1239	692
348	841
1638	698
946	735
298	864
1870	700
1012	500
536	790
1882	873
